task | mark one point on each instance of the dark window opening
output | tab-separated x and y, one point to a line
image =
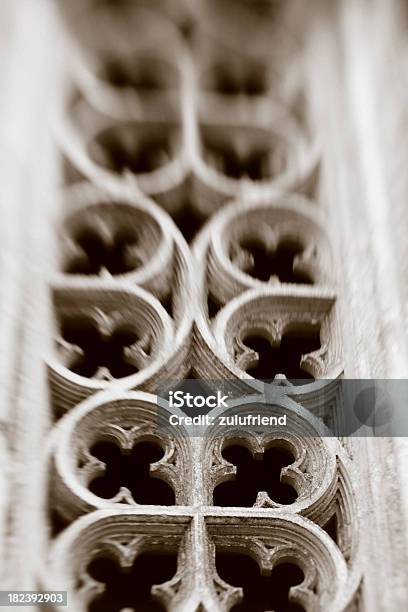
254	165
261	593
131	587
130	469
124	147
278	263
284	359
118	256
254	475
93	354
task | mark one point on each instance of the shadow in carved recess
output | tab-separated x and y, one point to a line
96	356
269	9
256	164
151	76
331	528
253	476
124	147
56	522
284	359
129	588
265	263
230	81
213	306
118	256
261	593
167	302
189	221
130	469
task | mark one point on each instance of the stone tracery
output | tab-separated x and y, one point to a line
155	288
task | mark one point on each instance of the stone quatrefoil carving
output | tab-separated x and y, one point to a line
100	253
125	453
263	359
258	572
282	262
128	147
241	163
255	477
104	346
130	587
109	238
154	520
264	471
245	154
269	337
260	592
122	239
277	244
127	473
275	251
129	571
223	161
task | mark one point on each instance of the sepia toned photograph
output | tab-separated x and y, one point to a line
204	305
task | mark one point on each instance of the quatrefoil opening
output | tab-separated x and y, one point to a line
130	588
234	79
254	476
244	155
265	360
260	592
145	75
116	253
265	262
139	149
95	352
127	474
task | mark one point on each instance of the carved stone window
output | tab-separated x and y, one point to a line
261	592
129	587
187	251
255	475
128	468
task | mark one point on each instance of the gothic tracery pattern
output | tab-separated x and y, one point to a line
193	245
